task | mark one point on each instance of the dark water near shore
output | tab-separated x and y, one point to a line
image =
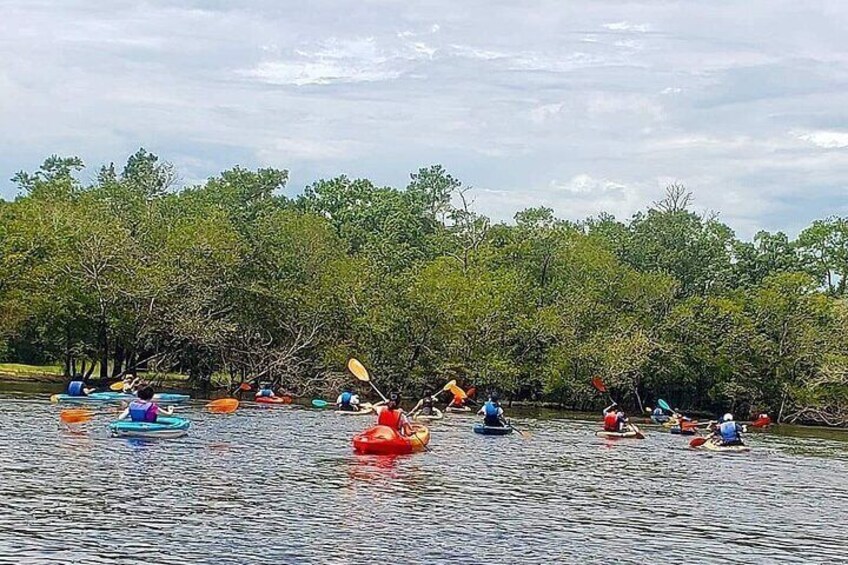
282	485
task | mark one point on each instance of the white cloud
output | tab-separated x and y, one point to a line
827	139
626	26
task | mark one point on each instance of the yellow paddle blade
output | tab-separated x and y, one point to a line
358	369
75	416
449	386
458	392
223	406
118	386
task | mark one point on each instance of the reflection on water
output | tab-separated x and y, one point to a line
282	485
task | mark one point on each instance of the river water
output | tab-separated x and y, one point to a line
282	485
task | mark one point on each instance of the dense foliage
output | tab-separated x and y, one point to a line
229	277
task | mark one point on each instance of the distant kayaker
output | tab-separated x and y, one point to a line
460	399
143	409
658	415
614	419
426	406
266	391
77	387
129	384
348	401
392	415
492	412
728	431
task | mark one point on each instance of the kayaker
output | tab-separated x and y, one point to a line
492	412
728	431
459	400
143	409
426	406
614	419
129	384
658	415
392	415
348	400
77	387
266	391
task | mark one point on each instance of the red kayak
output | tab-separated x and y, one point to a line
273	399
383	440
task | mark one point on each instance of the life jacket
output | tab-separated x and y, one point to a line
611	421
458	401
390	418
658	412
265	392
76	388
427	406
142	411
729	431
346	396
490	412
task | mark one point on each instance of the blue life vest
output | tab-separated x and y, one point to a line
490	413
141	411
266	392
76	388
346	396
729	431
658	412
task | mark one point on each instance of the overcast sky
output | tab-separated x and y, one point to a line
582	106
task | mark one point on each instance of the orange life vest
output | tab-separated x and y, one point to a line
611	422
390	418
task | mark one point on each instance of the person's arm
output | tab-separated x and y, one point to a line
417	407
354	400
169	411
339	400
610	407
124	414
481	410
405	425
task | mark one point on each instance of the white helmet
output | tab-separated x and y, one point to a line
727	417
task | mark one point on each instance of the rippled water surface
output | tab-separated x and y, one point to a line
282	485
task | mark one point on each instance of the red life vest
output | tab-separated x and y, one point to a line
611	422
390	418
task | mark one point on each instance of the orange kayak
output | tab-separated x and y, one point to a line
383	440
273	399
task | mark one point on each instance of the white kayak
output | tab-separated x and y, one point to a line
436	415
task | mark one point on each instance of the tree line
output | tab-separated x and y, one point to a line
127	271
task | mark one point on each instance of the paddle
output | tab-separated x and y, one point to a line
117	386
447	387
223	406
318	403
664	405
76	415
522	433
698	441
600	387
360	372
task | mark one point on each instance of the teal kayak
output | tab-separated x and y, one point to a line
165	427
485	430
165	398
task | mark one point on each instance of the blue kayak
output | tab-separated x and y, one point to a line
164	398
485	430
165	427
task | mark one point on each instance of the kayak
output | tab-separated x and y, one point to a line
457	410
383	440
165	427
273	399
364	408
485	430
712	445
436	415
164	398
683	432
616	435
659	419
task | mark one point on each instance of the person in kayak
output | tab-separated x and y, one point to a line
348	400
658	415
728	432
143	409
492	412
426	406
614	419
129	384
459	400
392	415
266	391
77	387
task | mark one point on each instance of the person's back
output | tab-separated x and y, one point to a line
77	387
347	401
392	416
265	391
492	413
611	421
729	431
143	409
427	406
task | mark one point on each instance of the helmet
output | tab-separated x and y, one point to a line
727	417
494	397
